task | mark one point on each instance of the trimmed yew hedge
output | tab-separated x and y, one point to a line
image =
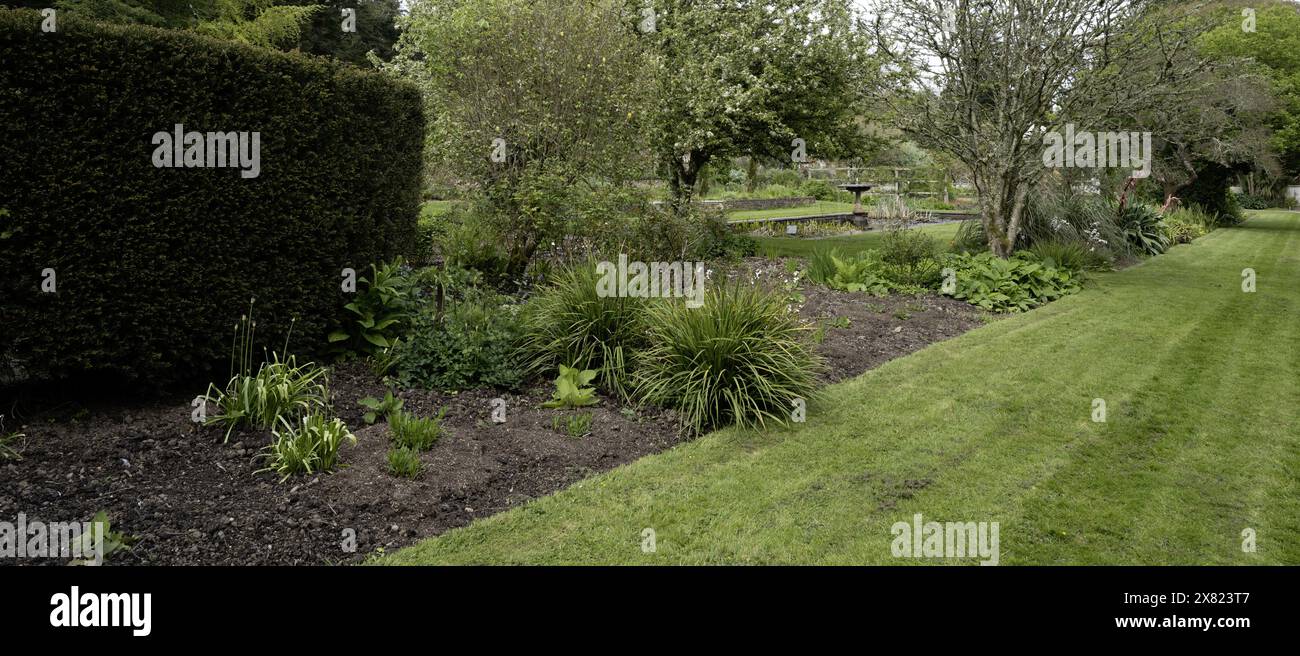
154	266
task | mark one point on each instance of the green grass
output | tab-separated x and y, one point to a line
819	207
435	208
849	244
1202	441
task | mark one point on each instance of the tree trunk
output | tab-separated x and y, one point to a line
1123	194
1002	206
686	172
751	174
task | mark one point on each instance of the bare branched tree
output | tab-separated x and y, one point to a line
984	80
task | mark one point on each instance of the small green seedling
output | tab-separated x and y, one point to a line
8	443
378	408
114	541
404	462
574	425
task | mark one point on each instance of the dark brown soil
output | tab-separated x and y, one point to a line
880	328
189	499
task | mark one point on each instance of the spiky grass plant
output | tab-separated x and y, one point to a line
404	462
741	359
307	446
569	323
278	390
280	387
9	449
412	432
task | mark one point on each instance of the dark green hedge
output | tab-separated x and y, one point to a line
154	266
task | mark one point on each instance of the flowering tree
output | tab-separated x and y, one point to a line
750	77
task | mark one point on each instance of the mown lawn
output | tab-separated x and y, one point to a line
1202	440
819	207
802	247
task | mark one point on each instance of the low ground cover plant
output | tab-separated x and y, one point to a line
1070	255
576	424
1144	229
1015	284
1187	223
376	408
473	344
101	533
860	272
404	462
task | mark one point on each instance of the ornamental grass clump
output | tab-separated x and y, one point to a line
740	359
570	323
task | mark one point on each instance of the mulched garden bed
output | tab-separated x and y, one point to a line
189	499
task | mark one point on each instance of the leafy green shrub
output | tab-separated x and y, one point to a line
380	311
1255	202
1057	213
467	240
430	228
149	260
1011	285
412	432
571	390
404	462
635	227
1187	223
714	239
306	446
819	189
376	408
457	283
569	323
1210	190
474	344
909	258
862	272
742	359
1144	230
